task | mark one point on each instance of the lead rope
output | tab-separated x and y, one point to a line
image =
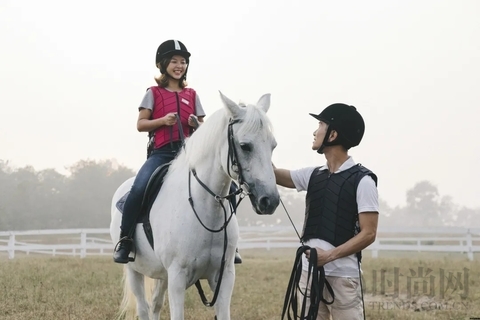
361	288
315	276
318	282
293	297
293	225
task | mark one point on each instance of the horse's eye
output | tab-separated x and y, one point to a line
246	146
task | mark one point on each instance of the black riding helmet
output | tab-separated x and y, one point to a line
167	50
344	119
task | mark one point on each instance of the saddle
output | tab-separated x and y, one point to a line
153	188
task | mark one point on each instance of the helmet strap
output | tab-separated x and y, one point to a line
327	143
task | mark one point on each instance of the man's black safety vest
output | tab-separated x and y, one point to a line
331	212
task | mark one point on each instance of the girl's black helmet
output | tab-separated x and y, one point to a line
170	48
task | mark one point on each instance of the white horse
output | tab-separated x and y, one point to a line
236	142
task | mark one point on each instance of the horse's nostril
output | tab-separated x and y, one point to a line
264	202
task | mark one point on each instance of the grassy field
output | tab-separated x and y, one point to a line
416	286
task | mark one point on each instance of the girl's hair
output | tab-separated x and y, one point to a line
164	78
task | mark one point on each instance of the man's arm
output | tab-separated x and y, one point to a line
368	226
283	177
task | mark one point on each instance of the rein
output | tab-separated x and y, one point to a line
218	198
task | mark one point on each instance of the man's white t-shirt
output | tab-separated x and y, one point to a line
367	201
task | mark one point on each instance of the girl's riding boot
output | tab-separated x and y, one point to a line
238	258
123	248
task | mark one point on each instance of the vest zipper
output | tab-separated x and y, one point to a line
178	104
179	118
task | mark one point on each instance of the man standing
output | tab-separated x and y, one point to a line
341	212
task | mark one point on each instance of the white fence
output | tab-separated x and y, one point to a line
88	242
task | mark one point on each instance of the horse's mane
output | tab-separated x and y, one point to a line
213	133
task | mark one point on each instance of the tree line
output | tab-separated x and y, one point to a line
46	199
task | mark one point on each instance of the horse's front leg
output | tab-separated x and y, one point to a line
222	305
176	292
158	298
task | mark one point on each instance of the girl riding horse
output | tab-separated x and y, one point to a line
168	112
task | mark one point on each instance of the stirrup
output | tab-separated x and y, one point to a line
134	248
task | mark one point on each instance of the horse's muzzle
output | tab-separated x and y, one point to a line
265	205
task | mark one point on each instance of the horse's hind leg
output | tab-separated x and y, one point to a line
137	285
158	297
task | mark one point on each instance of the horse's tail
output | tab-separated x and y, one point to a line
128	306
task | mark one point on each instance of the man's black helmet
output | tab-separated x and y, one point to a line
346	121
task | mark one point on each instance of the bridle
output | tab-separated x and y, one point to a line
232	157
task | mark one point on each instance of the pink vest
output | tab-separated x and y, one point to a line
183	103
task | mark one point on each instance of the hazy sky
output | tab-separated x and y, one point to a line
72	75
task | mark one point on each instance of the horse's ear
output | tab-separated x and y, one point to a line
234	109
264	102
